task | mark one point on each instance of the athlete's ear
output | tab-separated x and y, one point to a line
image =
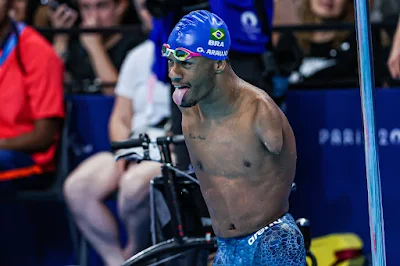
219	66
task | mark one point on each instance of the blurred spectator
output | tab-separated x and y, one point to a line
142	105
385	10
325	59
22	9
394	58
93	59
250	27
320	55
31	97
286	13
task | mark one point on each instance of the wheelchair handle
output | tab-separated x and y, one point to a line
143	141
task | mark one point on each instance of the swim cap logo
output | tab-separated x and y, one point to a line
217	34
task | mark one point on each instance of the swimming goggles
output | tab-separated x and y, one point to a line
180	53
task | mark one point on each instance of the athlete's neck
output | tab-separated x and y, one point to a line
223	99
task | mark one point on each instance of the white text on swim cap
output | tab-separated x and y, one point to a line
262	230
216	43
216	52
200	50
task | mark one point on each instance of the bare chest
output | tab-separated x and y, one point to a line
229	149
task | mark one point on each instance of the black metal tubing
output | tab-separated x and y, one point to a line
312	257
169	246
172	202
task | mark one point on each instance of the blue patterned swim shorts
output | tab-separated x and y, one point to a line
278	244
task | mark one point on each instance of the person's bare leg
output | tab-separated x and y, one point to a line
134	207
84	191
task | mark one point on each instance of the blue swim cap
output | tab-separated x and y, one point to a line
202	32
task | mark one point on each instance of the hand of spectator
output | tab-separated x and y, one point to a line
144	14
394	58
90	40
63	17
394	62
146	19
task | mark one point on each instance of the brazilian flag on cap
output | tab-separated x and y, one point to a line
217	34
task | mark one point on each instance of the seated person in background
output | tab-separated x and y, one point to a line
93	58
320	55
31	100
142	103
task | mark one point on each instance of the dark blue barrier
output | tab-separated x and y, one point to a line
90	115
331	177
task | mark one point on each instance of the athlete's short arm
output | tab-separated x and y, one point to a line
268	124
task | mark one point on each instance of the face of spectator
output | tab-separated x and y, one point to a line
107	13
19	9
328	9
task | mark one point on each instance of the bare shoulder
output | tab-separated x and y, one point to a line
267	109
263	105
268	122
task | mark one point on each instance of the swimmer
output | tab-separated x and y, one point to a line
240	144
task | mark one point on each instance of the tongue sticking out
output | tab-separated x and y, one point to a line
179	94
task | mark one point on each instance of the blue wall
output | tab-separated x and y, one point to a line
331	177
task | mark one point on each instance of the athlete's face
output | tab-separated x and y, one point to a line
193	79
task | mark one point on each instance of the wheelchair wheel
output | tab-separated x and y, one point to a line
169	250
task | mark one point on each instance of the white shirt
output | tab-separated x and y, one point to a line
150	97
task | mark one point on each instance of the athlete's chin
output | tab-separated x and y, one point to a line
188	104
